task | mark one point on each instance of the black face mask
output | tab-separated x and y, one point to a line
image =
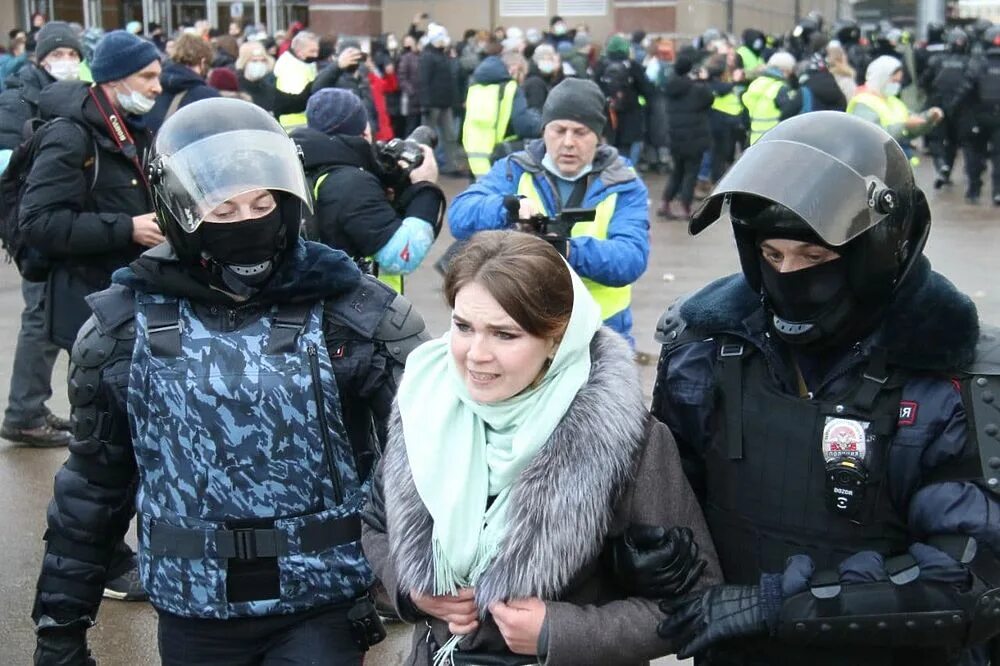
804	295
246	251
310	60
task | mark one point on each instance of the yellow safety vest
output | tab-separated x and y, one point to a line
761	101
395	282
291	76
890	110
751	60
611	300
487	114
729	104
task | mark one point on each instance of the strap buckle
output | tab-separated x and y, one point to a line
730	350
878	380
245	544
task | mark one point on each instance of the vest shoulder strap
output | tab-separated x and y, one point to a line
163	328
288	322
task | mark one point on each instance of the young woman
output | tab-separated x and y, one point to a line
518	450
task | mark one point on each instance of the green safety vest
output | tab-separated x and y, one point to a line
487	114
729	104
611	300
751	60
760	100
292	77
395	282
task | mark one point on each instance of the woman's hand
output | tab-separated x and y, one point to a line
520	622
459	611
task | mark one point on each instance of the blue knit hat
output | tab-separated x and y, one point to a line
120	54
336	111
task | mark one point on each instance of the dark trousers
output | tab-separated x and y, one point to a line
34	356
943	142
724	128
316	638
982	145
682	180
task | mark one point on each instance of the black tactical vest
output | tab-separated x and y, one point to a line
767	494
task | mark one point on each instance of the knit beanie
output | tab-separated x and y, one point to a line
617	45
119	55
336	111
683	64
56	35
575	99
223	78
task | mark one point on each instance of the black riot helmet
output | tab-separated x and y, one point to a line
935	32
846	31
846	184
958	40
216	149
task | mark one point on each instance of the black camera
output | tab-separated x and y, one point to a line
399	157
554	230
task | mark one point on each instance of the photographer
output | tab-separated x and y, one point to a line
353	211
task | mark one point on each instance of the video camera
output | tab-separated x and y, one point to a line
399	157
555	230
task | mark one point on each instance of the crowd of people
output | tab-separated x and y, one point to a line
218	229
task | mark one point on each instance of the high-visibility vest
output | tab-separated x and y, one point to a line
488	109
729	104
761	102
291	76
395	282
751	60
611	300
890	110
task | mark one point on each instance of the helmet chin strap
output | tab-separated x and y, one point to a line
240	280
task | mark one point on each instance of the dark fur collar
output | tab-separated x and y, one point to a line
930	325
562	503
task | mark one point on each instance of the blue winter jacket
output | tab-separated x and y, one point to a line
931	330
617	261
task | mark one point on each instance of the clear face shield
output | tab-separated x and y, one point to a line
201	175
834	199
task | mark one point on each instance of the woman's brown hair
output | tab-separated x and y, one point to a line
525	275
192	50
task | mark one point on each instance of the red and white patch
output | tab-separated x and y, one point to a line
844	437
907	412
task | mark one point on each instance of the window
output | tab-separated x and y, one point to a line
582	7
524	7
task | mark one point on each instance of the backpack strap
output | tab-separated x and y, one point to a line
175	103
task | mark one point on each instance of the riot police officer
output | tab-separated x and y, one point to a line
831	407
981	99
943	79
228	386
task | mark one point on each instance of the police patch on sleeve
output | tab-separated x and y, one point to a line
845	438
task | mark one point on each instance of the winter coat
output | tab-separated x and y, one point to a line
572	498
19	103
826	92
437	87
688	105
382	85
262	91
616	262
352	211
525	121
630	123
408	73
175	80
95	491
77	207
932	434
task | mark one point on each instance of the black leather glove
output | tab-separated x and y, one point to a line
717	614
62	644
651	561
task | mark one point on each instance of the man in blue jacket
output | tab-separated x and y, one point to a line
568	168
834	406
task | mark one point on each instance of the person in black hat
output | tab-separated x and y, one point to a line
354	212
569	167
834	407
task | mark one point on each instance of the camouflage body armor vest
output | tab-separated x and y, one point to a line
244	461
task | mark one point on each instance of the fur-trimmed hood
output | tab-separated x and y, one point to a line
561	505
929	326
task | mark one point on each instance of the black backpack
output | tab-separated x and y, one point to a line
31	264
619	86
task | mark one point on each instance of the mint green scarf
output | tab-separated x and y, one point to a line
462	452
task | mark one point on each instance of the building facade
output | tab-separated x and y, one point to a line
681	18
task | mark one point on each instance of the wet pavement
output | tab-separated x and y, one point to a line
964	245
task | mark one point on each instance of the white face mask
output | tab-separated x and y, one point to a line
135	102
392	44
255	71
63	70
891	89
546	67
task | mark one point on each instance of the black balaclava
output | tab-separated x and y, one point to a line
243	255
